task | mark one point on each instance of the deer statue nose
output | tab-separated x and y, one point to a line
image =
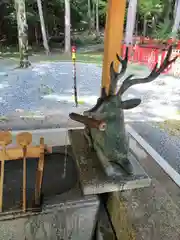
90	122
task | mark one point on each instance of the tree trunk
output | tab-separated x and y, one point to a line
144	27
97	17
153	24
36	35
43	29
67	27
47	32
45	11
177	20
175	7
22	32
93	15
89	16
137	24
168	11
130	23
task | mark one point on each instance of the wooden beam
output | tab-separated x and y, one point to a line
117	208
113	37
16	153
112	45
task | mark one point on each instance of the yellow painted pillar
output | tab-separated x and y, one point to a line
113	37
113	41
118	211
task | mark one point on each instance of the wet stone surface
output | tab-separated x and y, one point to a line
153	213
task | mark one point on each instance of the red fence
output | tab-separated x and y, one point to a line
150	41
149	56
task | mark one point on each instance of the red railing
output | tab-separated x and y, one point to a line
148	55
150	41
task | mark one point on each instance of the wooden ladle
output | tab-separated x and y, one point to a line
24	139
5	140
39	174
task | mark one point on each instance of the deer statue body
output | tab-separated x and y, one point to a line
111	144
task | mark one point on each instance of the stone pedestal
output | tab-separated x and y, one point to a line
93	179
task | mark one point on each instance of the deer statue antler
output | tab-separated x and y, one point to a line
111	144
114	80
115	77
129	81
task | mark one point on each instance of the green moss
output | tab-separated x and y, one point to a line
178	112
92	57
45	90
171	126
3	119
31	115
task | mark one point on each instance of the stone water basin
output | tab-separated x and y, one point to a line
60	176
65	214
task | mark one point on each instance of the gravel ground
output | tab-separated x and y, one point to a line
42	97
46	86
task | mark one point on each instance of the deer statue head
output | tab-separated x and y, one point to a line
111	144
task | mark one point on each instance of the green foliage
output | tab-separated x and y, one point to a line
163	31
102	8
86	39
162	11
147	8
53	15
54	19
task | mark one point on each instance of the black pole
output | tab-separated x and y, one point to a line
75	83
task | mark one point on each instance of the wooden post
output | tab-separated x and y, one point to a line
113	37
117	208
5	140
113	41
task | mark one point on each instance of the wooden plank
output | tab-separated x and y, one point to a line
5	139
118	211
1	184
92	177
17	153
113	37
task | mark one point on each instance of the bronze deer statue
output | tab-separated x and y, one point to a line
111	142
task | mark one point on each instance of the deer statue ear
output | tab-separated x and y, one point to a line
129	104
